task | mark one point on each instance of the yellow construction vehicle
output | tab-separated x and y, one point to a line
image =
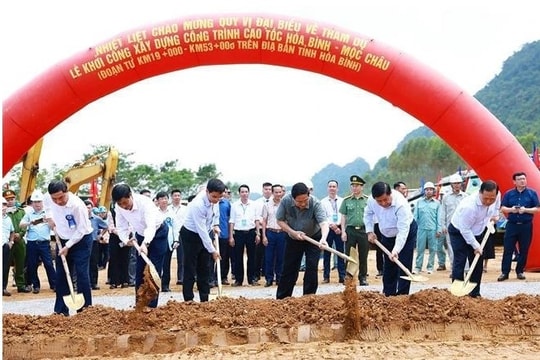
93	168
29	171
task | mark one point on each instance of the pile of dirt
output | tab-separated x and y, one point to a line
372	309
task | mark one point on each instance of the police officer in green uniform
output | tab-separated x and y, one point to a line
17	255
352	220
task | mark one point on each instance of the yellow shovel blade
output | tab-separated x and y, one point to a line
74	302
461	288
352	266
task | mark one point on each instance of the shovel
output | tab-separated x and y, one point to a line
410	276
156	279
73	301
329	249
218	267
352	266
462	288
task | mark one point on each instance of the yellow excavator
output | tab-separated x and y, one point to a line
30	169
93	168
79	174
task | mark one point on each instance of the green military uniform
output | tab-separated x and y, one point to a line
17	255
352	208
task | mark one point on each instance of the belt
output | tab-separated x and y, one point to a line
38	241
519	222
274	230
244	231
357	227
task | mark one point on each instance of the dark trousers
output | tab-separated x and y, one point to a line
464	252
333	239
358	238
166	274
273	256
103	255
156	253
225	251
516	234
379	254
78	258
5	265
393	284
245	240
294	250
196	265
118	261
94	259
180	261
260	251
34	251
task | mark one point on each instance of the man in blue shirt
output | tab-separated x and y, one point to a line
519	205
38	238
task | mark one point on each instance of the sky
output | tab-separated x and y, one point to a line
235	108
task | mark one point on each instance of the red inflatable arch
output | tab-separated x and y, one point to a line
52	97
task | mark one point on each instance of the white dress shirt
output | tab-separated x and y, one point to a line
394	221
144	218
75	209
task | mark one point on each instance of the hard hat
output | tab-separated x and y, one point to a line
102	209
429	185
36	196
455	179
95	211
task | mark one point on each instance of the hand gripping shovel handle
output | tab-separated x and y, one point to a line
218	266
329	249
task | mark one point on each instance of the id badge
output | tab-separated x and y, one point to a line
244	223
334	218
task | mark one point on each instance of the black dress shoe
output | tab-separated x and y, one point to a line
342	280
95	287
179	282
363	282
268	284
225	282
236	283
6	293
502	277
24	290
326	281
113	286
165	289
35	291
521	276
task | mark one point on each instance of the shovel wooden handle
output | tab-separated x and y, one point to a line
218	266
329	249
490	230
399	263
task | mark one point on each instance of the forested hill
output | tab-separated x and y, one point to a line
513	96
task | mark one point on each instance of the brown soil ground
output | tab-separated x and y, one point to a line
428	324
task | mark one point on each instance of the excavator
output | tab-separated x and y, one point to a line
91	169
80	173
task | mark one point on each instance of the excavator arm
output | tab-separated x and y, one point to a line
29	171
93	168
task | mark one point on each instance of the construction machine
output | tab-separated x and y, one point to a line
93	168
29	171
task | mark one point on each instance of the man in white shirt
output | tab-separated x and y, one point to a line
468	222
138	213
68	217
331	204
398	230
